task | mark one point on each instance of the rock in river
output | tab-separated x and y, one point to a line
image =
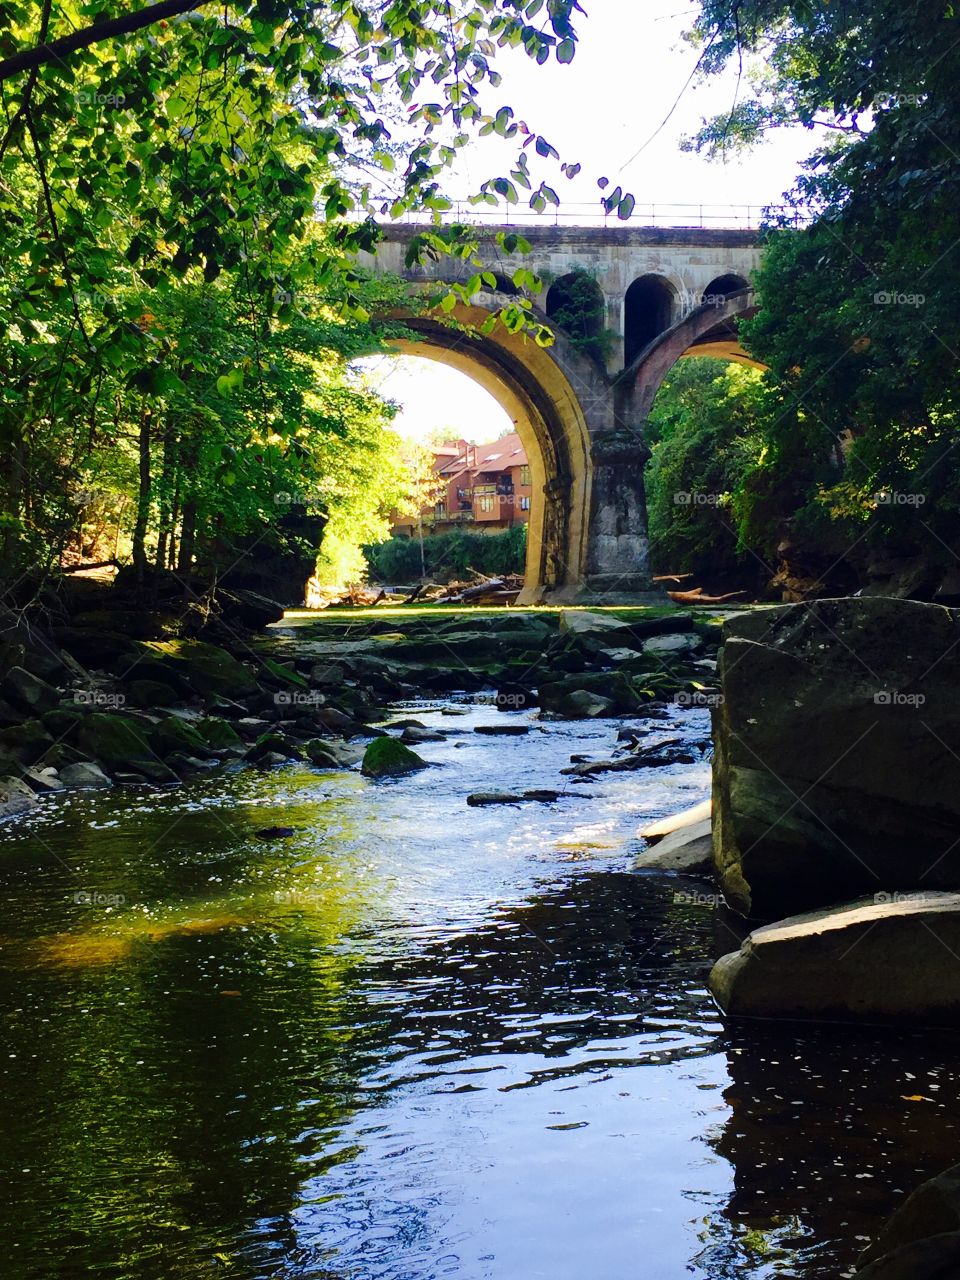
932	1210
892	958
837	740
388	757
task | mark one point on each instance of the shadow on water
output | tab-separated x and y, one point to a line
403	1047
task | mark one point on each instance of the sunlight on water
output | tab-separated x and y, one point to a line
416	1039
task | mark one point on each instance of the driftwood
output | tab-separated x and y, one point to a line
696	596
671	577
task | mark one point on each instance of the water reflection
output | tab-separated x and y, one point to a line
397	1047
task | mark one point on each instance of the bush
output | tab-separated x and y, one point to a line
449	556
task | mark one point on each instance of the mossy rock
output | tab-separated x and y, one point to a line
148	693
219	734
321	753
118	742
387	757
206	667
62	722
26	743
614	685
174	735
273	743
273	673
156	671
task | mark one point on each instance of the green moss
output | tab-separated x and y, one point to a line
206	667
273	673
218	733
386	757
117	742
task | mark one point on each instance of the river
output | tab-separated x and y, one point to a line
418	1040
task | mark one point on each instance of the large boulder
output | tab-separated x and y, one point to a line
206	668
15	797
837	738
889	959
935	1258
932	1210
119	742
29	692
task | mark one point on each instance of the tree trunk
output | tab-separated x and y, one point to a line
143	501
188	533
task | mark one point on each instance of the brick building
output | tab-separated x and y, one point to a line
487	488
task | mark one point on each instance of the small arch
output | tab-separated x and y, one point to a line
721	288
648	311
575	302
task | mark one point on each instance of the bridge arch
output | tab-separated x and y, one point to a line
723	287
709	330
541	398
649	309
580	410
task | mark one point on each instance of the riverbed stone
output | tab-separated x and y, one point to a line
220	735
892	958
26	742
935	1258
29	692
148	693
932	1209
15	797
413	734
206	668
837	738
689	849
615	686
388	757
119	742
85	773
42	781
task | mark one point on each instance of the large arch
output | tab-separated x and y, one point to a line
537	395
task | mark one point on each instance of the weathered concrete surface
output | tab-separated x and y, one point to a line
837	741
873	961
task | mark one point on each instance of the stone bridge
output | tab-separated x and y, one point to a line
625	304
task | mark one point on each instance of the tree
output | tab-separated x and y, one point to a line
858	320
704	433
423	488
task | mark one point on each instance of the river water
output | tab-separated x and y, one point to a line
418	1040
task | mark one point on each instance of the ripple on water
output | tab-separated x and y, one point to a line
418	1040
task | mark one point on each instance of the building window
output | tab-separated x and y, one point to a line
485	503
524	503
524	475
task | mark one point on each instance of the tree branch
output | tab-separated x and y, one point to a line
57	50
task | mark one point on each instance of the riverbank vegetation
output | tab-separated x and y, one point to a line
183	192
856	479
448	556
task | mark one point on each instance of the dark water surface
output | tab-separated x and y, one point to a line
419	1040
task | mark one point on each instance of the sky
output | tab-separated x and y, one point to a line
605	110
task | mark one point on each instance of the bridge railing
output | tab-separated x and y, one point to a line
746	217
